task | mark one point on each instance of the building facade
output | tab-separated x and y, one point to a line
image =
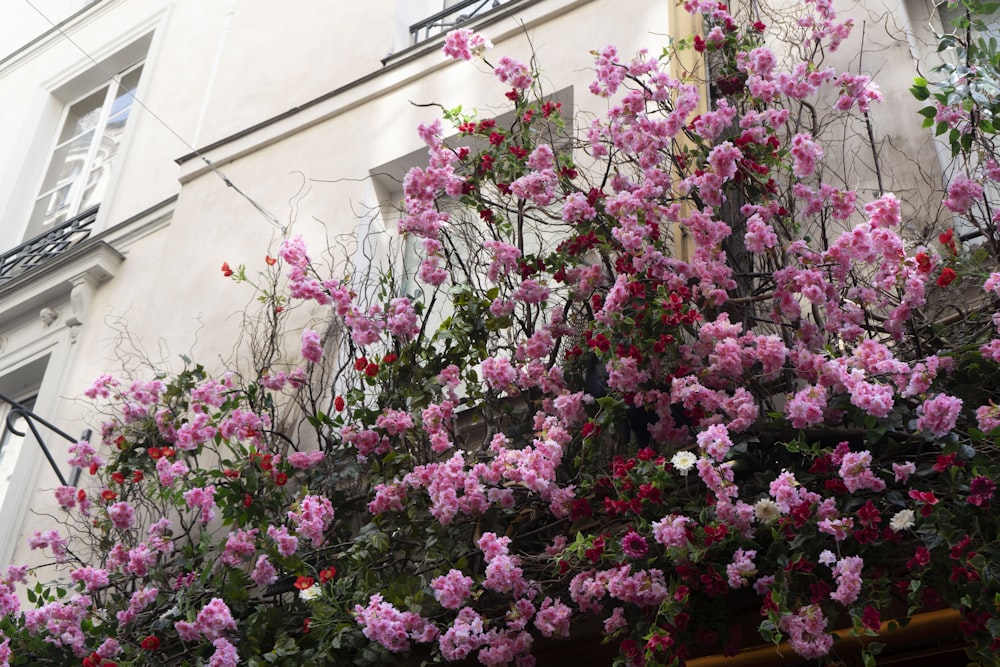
153	140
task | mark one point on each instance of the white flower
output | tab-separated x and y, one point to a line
826	557
683	462
902	520
766	510
311	593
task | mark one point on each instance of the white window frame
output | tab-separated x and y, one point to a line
79	181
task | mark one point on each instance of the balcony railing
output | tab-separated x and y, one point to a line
451	17
41	249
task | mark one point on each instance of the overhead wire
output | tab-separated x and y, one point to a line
270	217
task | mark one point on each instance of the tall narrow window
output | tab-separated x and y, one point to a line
88	141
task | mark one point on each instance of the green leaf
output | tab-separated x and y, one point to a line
920	92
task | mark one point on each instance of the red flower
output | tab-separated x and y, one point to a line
305	625
759	26
271	261
247	500
120	442
281	479
371	370
496	138
168	451
923	262
138	476
303	583
154	452
230	473
226	271
946	461
360	364
108	494
339	404
947	275
871	619
327	574
150	643
93	468
699	44
389	358
590	428
117	477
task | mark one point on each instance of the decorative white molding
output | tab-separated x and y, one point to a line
48	316
75	274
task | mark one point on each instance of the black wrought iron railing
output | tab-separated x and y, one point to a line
45	247
21	412
451	17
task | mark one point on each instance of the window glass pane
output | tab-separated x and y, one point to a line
84	114
68	162
125	94
49	211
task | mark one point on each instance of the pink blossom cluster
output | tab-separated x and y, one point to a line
464	44
140	599
203	500
381	622
213	621
62	623
240	546
312	518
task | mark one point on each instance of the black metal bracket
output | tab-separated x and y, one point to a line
32	420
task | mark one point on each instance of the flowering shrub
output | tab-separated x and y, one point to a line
595	430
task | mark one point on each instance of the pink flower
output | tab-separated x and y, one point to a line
305	460
988	417
962	194
464	44
264	573
902	471
634	545
715	441
512	72
393	629
240	547
140	599
939	414
741	568
805	153
312	349
856	472
202	499
847	573
92	578
452	589
225	654
122	515
215	619
312	518
52	540
552	620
